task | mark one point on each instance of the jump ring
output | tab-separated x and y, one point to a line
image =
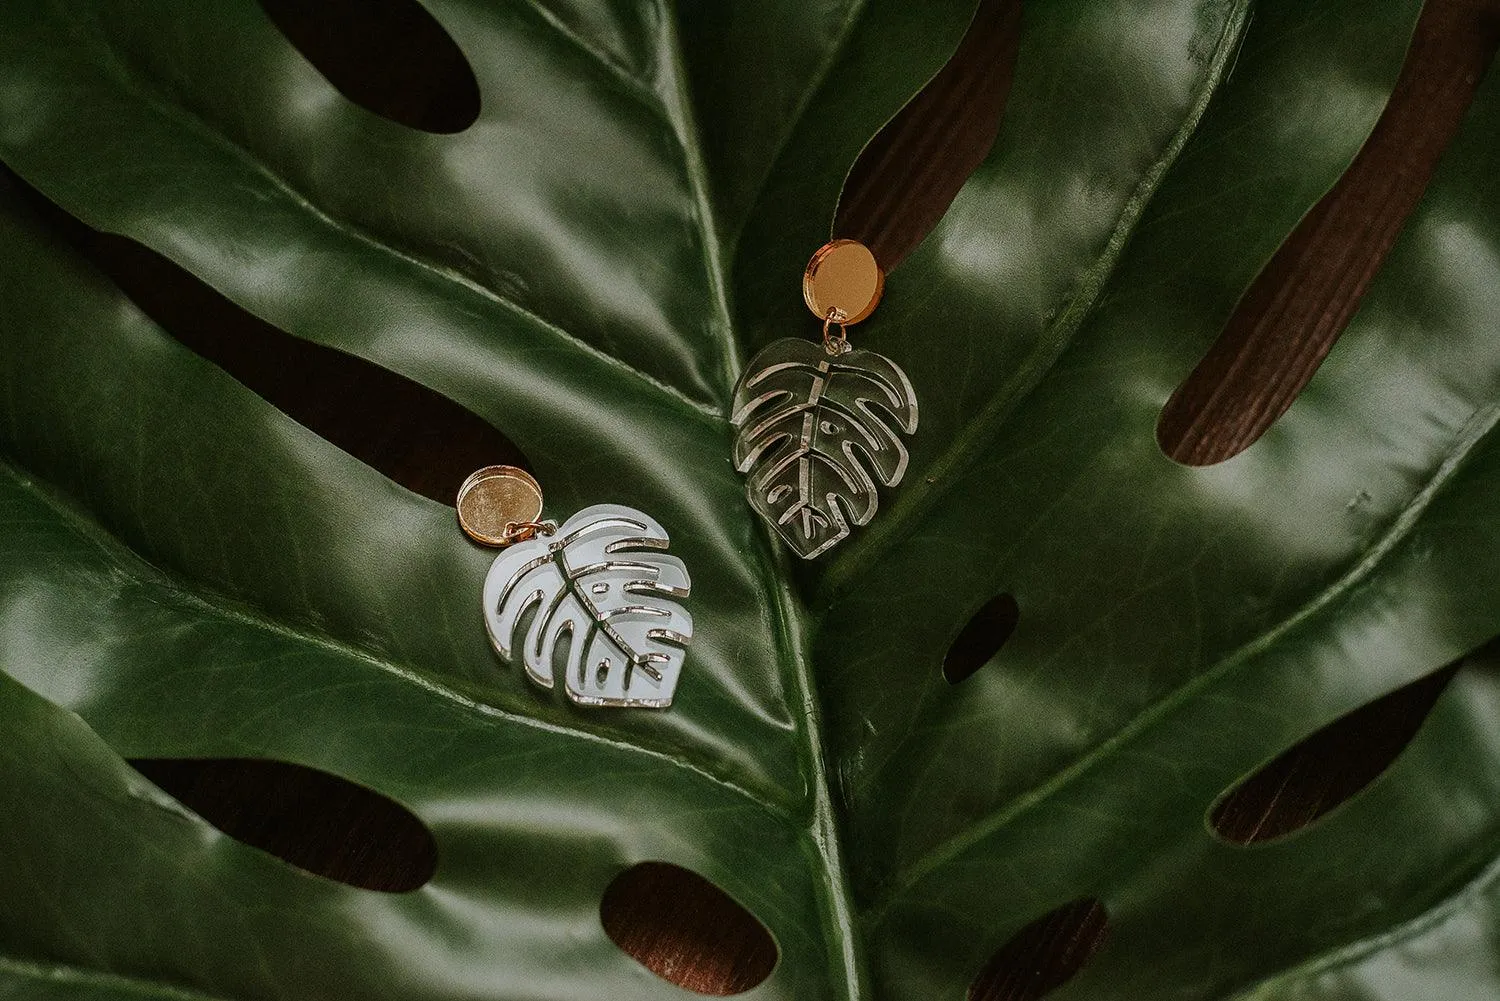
520	531
834	344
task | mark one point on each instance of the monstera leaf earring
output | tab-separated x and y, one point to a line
592	599
819	425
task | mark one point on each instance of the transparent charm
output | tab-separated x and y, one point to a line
594	601
817	429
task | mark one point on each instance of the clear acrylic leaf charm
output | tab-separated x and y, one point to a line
596	598
816	433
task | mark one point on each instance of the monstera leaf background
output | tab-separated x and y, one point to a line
188	572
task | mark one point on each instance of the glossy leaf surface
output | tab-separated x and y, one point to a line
188	572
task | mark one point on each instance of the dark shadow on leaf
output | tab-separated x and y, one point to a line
419	438
909	174
1306	295
686	930
981	637
1044	955
390	57
318	822
1333	764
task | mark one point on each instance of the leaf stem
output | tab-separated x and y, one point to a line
847	967
685	124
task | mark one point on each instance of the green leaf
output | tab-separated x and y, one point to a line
188	572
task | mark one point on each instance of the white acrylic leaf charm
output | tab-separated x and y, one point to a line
596	598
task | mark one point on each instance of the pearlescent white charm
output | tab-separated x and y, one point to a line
596	599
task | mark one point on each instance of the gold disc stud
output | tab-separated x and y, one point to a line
496	497
842	282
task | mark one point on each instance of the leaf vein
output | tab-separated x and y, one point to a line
130	565
147	95
60	973
1475	431
910	507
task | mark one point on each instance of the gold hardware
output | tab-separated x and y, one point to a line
501	505
842	283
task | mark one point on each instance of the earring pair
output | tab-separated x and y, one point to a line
595	600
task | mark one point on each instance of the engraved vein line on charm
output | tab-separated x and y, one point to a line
816	400
599	619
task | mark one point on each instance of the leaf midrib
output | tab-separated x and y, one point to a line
837	905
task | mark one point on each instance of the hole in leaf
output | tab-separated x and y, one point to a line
1327	767
909	174
1301	301
686	930
318	822
1044	955
981	638
419	438
390	57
